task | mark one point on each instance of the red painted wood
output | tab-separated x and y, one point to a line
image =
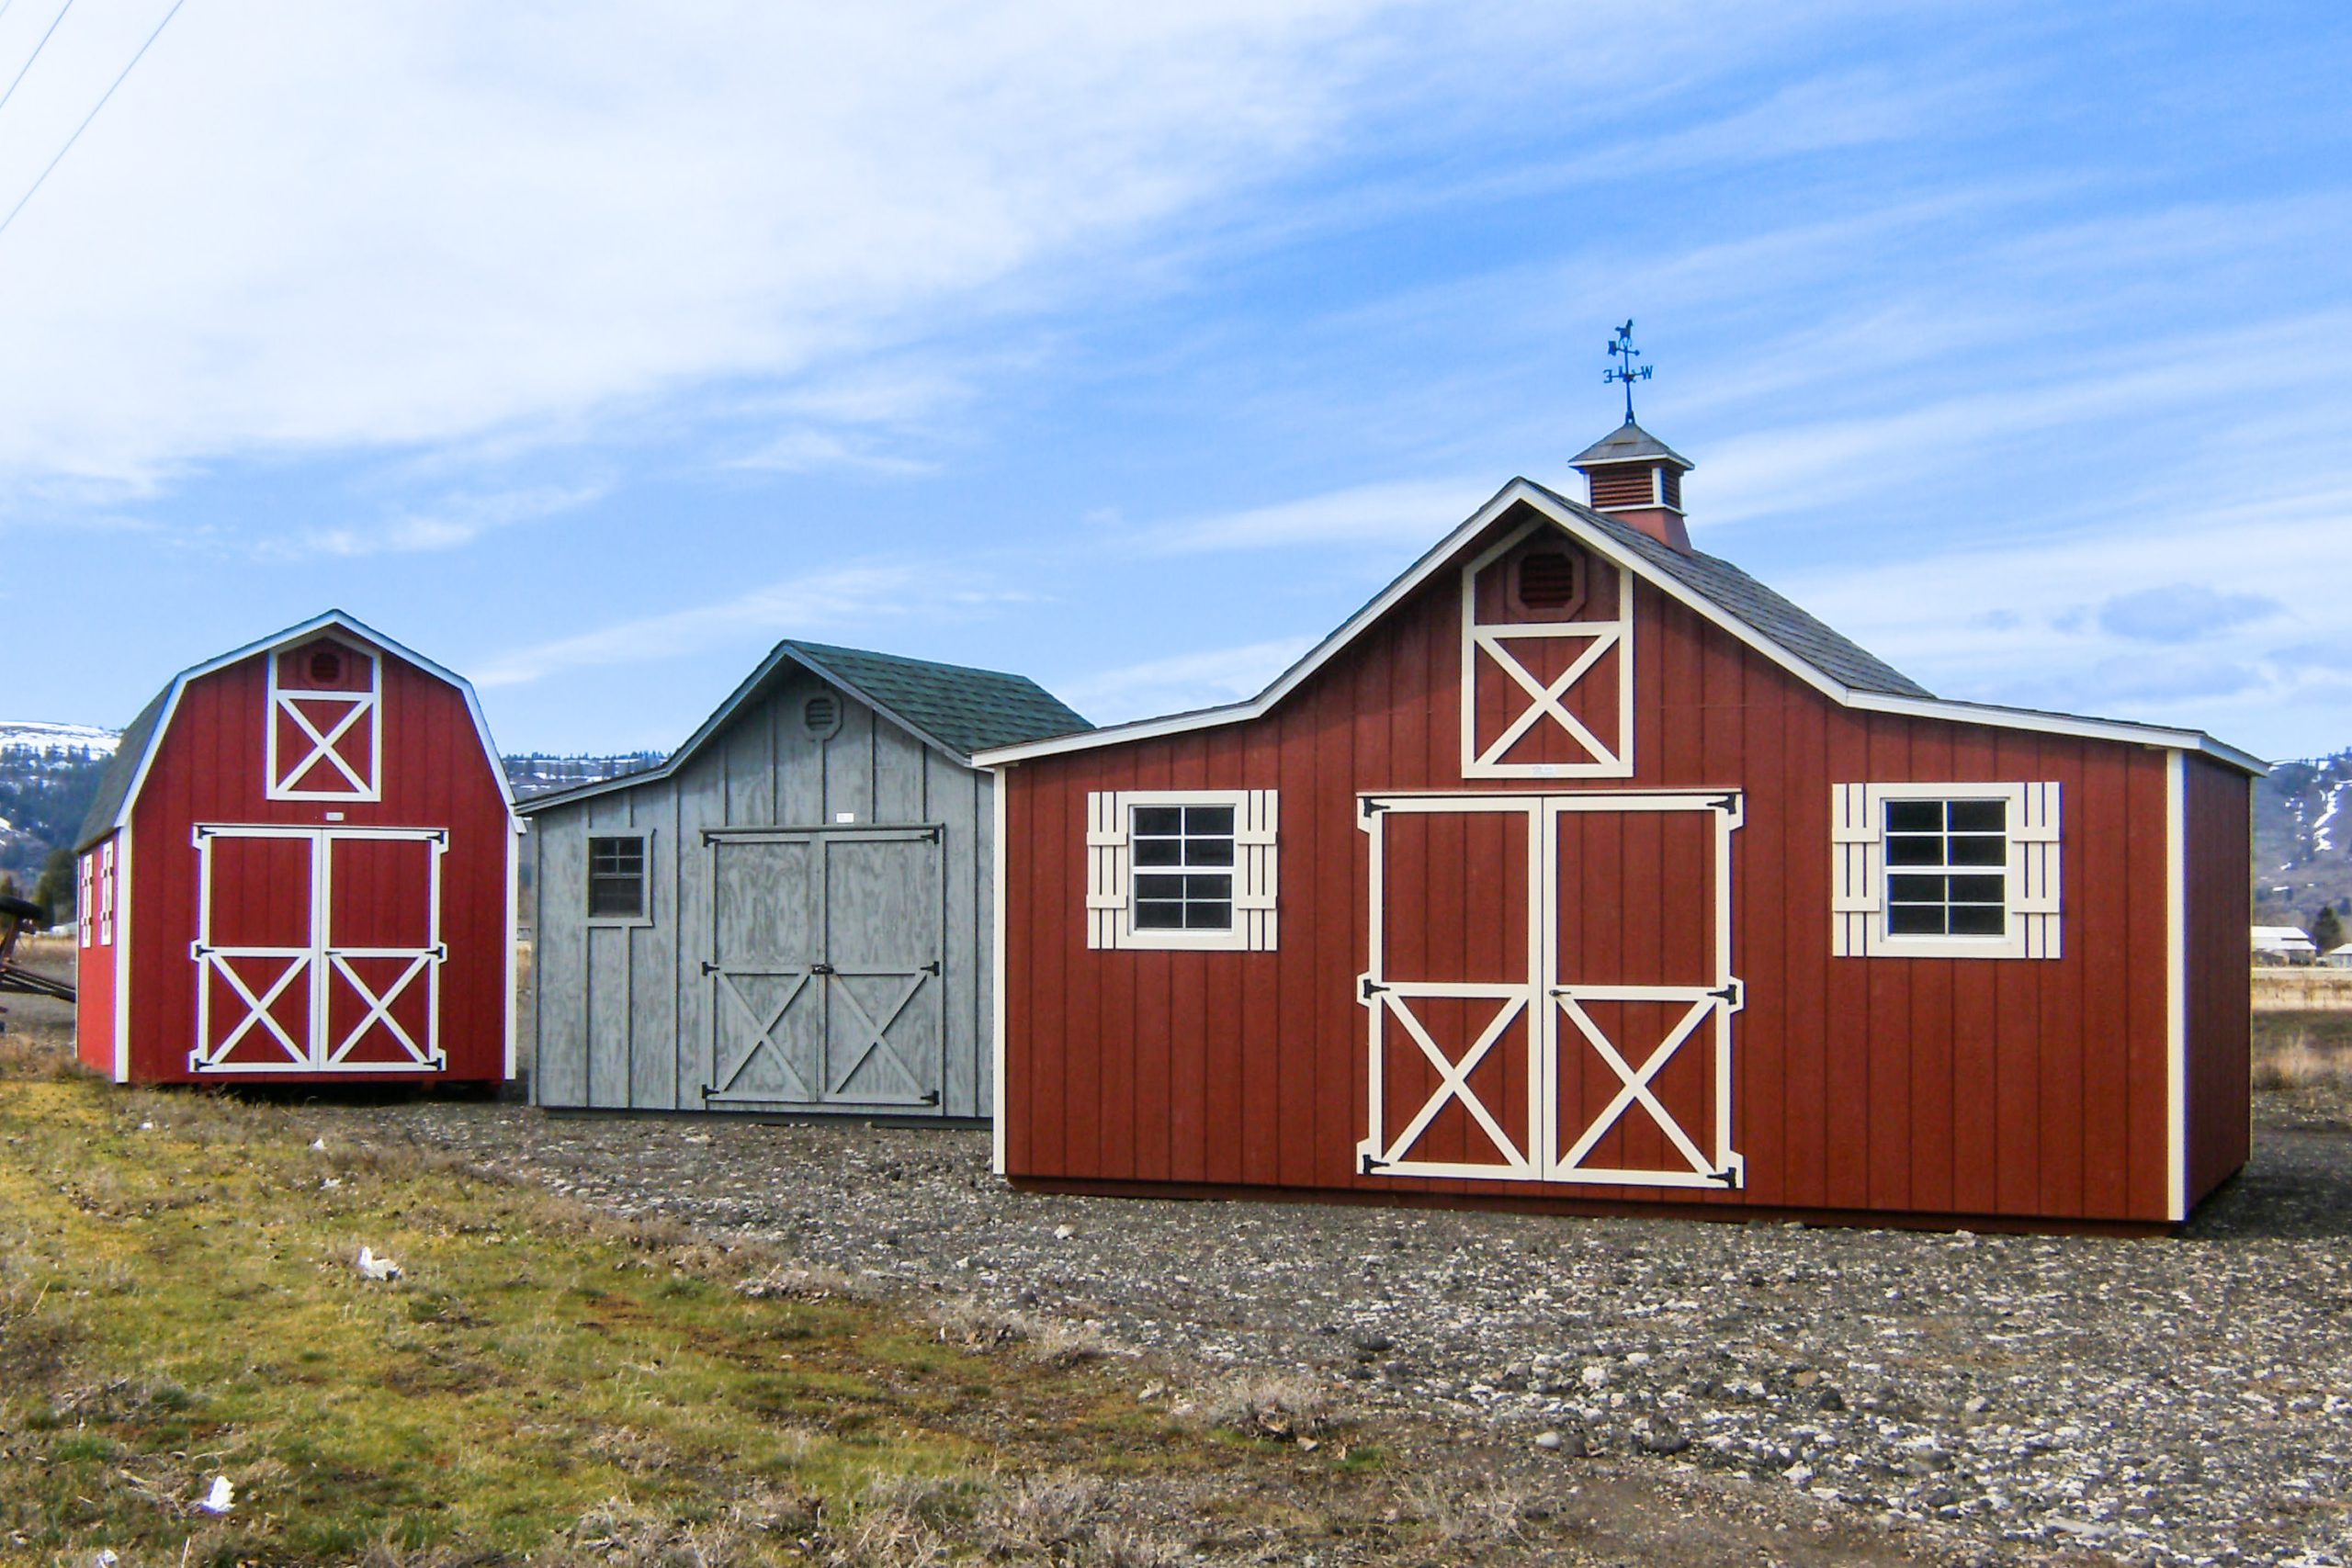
433	771
94	963
2219	887
1963	1087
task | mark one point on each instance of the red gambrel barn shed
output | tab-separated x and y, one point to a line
1581	871
300	869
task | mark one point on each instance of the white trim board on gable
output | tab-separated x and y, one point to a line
1588	529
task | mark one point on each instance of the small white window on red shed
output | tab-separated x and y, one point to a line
1944	870
105	894
86	901
326	731
1182	869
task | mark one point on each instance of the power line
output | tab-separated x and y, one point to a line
94	110
36	49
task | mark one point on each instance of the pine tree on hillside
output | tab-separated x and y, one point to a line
2327	930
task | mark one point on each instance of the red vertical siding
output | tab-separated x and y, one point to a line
2220	894
94	963
207	767
2020	1089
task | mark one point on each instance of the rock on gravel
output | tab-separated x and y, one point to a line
2173	1400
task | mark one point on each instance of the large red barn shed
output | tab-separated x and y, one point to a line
1581	871
299	868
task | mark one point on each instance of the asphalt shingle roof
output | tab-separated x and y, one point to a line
1628	443
1778	619
966	709
114	780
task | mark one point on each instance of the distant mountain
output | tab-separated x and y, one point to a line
49	774
2302	841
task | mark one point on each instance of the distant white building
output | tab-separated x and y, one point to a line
2338	957
2284	945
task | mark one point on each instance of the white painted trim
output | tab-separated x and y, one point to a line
332	618
1578	521
2177	985
122	962
1544	698
1544	1000
513	913
2031	895
278	782
323	958
997	938
1110	872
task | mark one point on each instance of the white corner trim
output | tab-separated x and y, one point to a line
514	913
997	940
122	959
2177	985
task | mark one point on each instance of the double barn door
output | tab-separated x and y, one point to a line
318	950
825	967
1550	991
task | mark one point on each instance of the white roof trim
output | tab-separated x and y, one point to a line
1568	517
279	639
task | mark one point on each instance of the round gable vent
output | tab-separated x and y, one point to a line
820	715
326	667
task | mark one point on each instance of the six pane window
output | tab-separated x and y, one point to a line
1182	867
1947	864
617	878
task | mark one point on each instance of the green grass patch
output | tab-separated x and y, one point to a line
178	1302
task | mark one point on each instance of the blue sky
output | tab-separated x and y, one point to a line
590	350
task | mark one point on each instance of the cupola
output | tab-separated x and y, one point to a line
1637	479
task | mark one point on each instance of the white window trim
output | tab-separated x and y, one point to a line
105	894
367	707
644	917
1860	873
85	910
1612	758
1110	904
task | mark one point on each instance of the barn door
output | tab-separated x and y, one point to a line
1638	970
318	950
1456	1010
1549	990
825	967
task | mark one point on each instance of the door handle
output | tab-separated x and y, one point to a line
822	969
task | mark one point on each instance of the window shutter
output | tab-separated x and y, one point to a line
1106	868
1854	850
2036	902
87	907
105	894
1254	848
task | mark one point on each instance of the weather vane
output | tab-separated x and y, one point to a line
1622	349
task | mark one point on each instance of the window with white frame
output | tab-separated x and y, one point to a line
105	894
85	907
1945	870
1180	869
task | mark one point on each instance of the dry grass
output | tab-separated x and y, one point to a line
973	1325
2302	1061
1267	1405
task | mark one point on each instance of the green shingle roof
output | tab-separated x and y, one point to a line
966	710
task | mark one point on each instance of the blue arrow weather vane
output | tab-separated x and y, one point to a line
1622	349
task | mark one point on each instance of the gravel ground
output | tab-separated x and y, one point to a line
2169	1400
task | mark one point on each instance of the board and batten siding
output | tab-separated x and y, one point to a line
2033	1088
623	1010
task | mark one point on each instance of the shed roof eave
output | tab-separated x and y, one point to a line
170	703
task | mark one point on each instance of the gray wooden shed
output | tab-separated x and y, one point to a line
793	912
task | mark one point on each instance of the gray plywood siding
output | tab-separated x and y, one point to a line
626	1010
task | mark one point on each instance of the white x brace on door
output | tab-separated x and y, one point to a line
1550	994
318	950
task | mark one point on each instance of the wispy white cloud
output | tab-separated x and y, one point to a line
1383	513
871	597
1182	682
802	450
458	519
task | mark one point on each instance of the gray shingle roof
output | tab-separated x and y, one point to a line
969	710
1779	620
1626	444
960	709
114	780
